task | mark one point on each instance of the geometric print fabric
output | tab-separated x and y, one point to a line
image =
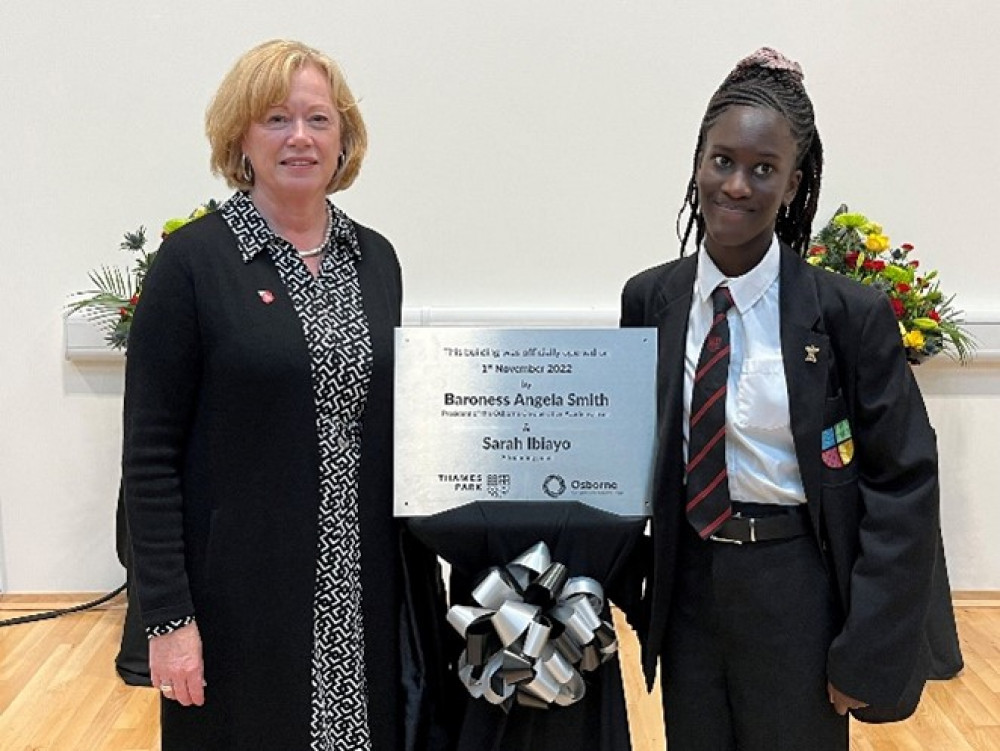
329	307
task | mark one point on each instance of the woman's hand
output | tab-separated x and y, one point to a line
176	666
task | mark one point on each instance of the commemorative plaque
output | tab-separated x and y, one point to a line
547	415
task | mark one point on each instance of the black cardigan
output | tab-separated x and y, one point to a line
222	487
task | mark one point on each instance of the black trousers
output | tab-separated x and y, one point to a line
744	661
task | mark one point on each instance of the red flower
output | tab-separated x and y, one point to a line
914	264
851	257
934	315
902	288
817	250
123	312
874	265
134	299
906	247
897	307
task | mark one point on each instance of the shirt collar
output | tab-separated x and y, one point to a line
254	235
746	289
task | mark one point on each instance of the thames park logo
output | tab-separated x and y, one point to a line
497	485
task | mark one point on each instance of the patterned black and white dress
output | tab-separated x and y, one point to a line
340	354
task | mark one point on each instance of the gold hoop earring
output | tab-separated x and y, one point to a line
247	170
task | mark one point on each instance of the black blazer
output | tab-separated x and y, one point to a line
875	518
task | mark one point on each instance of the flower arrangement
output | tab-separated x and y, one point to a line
111	303
852	245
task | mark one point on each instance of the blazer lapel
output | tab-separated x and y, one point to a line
670	316
806	352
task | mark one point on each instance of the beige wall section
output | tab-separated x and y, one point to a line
523	154
964	406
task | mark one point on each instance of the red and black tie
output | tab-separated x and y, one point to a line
708	503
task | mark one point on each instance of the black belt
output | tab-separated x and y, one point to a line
741	528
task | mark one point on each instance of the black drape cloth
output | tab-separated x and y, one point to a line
590	543
431	691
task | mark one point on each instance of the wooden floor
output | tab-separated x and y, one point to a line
59	691
962	714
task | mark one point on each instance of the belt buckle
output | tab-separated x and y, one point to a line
753	532
716	538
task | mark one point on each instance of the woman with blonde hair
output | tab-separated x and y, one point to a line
258	434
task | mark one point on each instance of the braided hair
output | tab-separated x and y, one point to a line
766	79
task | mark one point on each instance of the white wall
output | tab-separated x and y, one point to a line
524	153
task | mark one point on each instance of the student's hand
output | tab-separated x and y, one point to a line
842	703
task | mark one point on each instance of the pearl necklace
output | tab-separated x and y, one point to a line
326	240
311	253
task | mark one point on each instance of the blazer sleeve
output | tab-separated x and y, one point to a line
876	655
161	388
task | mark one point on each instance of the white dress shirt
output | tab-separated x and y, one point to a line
760	453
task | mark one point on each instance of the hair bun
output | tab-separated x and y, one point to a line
769	58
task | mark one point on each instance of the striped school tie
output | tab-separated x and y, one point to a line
708	504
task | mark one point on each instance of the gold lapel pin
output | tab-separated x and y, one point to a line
811	351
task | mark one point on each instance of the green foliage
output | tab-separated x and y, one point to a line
111	301
929	323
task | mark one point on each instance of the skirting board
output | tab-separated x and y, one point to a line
40	601
85	342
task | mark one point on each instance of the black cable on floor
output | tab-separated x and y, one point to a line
63	611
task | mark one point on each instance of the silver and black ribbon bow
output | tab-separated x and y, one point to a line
535	630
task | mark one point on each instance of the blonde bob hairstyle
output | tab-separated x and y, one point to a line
261	79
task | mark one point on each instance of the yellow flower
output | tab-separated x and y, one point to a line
172	224
815	260
914	339
176	223
877	242
853	245
847	219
